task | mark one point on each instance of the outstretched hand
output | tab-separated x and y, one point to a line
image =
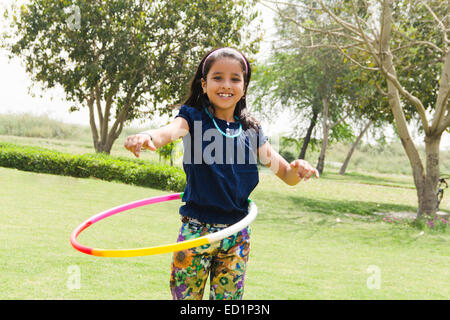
304	169
138	141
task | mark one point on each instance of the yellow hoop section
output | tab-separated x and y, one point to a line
150	251
122	253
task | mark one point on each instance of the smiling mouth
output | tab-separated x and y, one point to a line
225	95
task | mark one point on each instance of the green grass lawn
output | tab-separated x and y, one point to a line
317	240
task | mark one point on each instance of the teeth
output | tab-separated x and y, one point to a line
225	94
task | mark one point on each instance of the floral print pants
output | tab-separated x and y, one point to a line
225	261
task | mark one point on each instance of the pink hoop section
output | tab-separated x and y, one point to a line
207	239
113	211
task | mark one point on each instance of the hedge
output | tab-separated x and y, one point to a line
136	172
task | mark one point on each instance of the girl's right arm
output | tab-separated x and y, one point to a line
154	139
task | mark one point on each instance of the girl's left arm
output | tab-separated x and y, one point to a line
291	173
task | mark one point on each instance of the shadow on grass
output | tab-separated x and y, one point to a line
295	206
335	207
340	207
368	179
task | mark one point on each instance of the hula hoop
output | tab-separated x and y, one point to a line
208	239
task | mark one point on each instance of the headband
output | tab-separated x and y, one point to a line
217	50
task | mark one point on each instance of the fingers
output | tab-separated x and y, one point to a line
312	172
304	169
149	145
137	150
132	144
136	142
316	173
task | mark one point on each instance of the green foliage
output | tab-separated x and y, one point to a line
101	166
287	155
414	39
123	46
290	147
416	43
123	59
341	133
360	88
167	152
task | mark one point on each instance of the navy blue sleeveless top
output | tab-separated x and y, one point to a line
220	172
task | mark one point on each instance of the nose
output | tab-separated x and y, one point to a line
226	84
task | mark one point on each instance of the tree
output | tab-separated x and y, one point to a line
353	147
122	59
314	80
304	80
406	42
370	107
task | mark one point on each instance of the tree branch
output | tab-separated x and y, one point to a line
328	32
289	4
108	104
94	131
382	26
413	42
380	90
351	59
446	122
363	35
98	100
439	22
349	27
340	120
442	99
411	98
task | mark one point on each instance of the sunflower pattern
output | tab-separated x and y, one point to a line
224	261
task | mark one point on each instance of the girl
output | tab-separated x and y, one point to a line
221	173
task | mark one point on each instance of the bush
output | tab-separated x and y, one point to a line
288	155
101	166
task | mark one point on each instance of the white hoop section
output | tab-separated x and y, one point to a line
238	226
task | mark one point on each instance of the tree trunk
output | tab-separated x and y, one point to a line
102	144
425	181
352	149
307	138
428	197
104	141
321	161
395	104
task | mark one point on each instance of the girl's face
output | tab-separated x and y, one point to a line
224	83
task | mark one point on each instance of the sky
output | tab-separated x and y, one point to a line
17	95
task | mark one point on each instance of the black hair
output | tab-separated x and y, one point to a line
199	100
